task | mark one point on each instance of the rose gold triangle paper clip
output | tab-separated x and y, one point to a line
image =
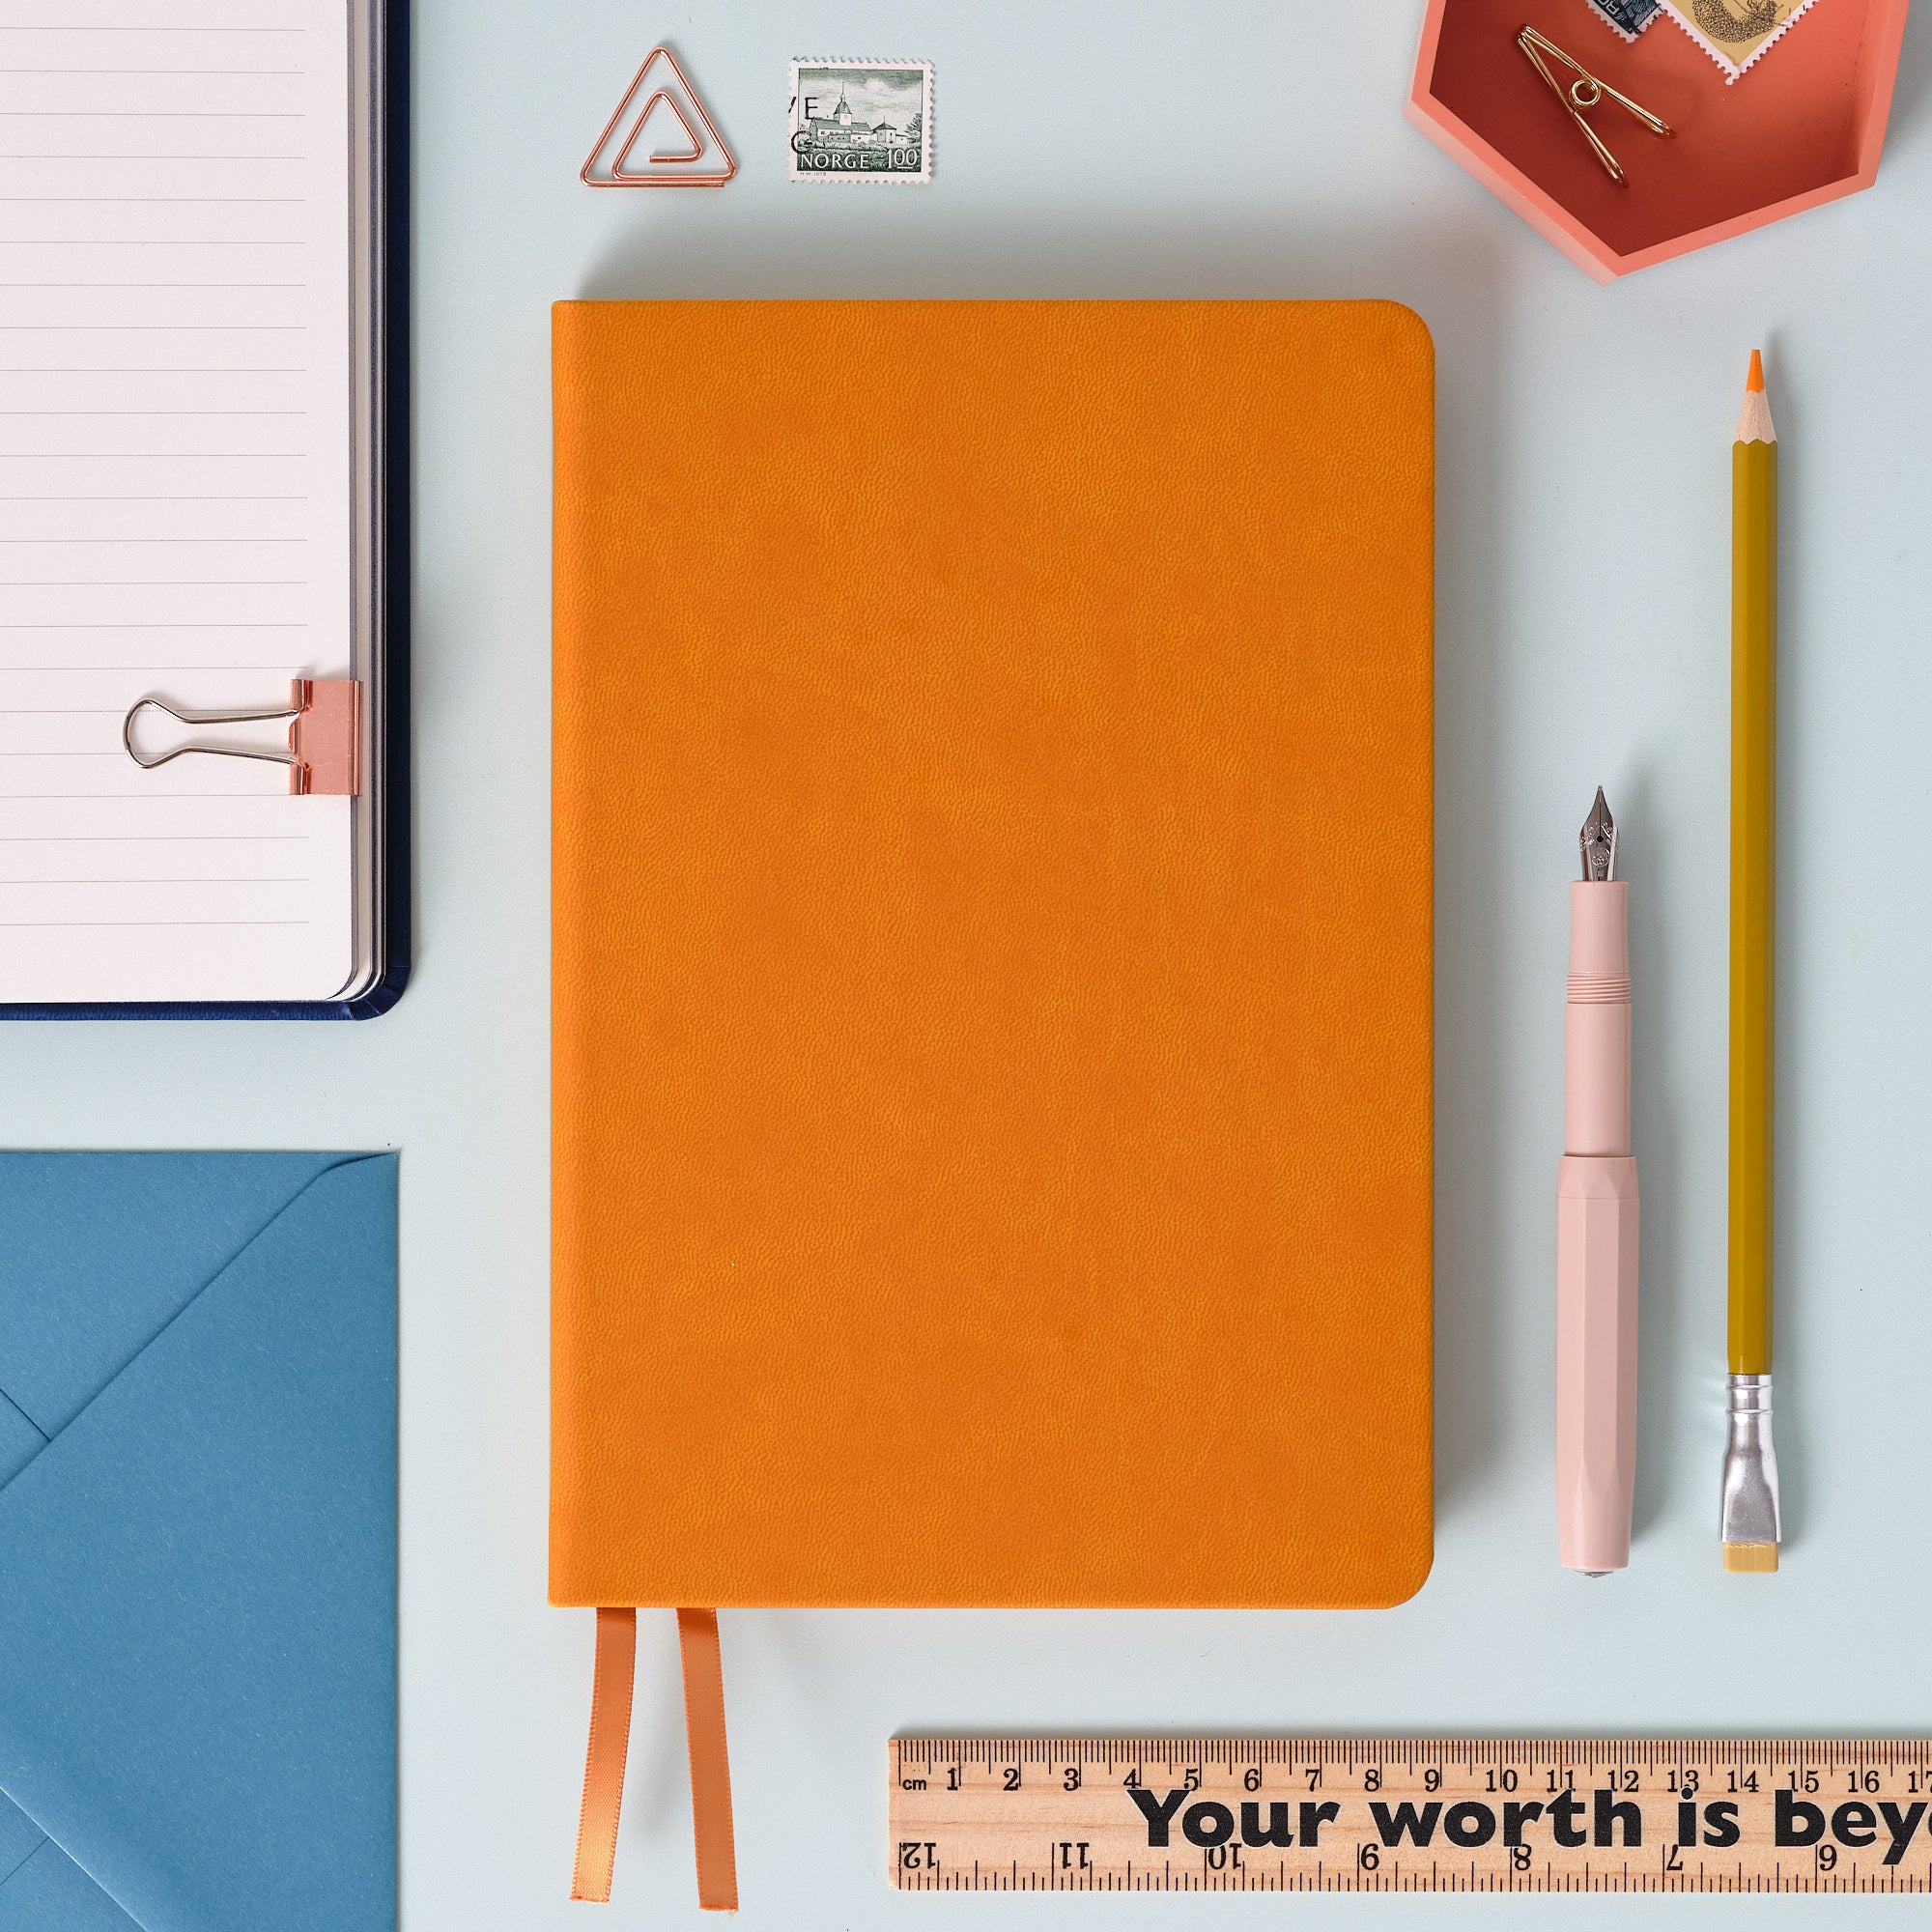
661	170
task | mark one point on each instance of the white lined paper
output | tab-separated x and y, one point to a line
175	489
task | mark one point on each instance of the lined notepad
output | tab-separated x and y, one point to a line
179	372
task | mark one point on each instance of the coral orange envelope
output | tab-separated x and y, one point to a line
992	953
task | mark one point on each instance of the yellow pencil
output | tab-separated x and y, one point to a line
1750	1522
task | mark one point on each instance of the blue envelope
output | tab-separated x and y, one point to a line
197	1543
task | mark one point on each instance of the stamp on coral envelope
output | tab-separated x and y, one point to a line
861	120
1734	33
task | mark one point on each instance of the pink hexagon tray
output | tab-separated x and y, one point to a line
1803	125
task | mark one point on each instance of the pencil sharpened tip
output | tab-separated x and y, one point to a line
1754	424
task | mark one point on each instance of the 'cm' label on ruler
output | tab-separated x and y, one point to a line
1409	1814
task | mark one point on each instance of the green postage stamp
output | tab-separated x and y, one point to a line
861	120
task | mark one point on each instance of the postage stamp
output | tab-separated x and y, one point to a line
861	120
1629	17
1734	33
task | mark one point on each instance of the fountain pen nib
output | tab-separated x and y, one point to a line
1598	839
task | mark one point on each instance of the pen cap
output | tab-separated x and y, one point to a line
1597	1022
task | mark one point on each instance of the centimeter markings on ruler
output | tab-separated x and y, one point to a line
1410	1814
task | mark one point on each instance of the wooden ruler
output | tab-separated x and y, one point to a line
1409	1814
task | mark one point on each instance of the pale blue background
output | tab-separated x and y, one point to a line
1208	149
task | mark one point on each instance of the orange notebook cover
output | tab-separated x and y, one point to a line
992	953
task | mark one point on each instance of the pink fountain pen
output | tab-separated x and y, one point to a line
1596	1223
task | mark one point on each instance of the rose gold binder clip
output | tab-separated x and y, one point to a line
325	719
1584	91
707	165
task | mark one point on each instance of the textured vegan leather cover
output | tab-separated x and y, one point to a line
992	953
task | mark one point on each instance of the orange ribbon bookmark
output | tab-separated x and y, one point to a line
710	1772
615	1674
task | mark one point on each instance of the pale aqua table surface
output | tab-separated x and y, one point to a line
1217	149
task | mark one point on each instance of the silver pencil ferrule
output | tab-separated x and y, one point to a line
1750	1477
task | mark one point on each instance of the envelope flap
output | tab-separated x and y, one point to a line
48	1892
20	1440
99	1252
198	1622
19	1838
